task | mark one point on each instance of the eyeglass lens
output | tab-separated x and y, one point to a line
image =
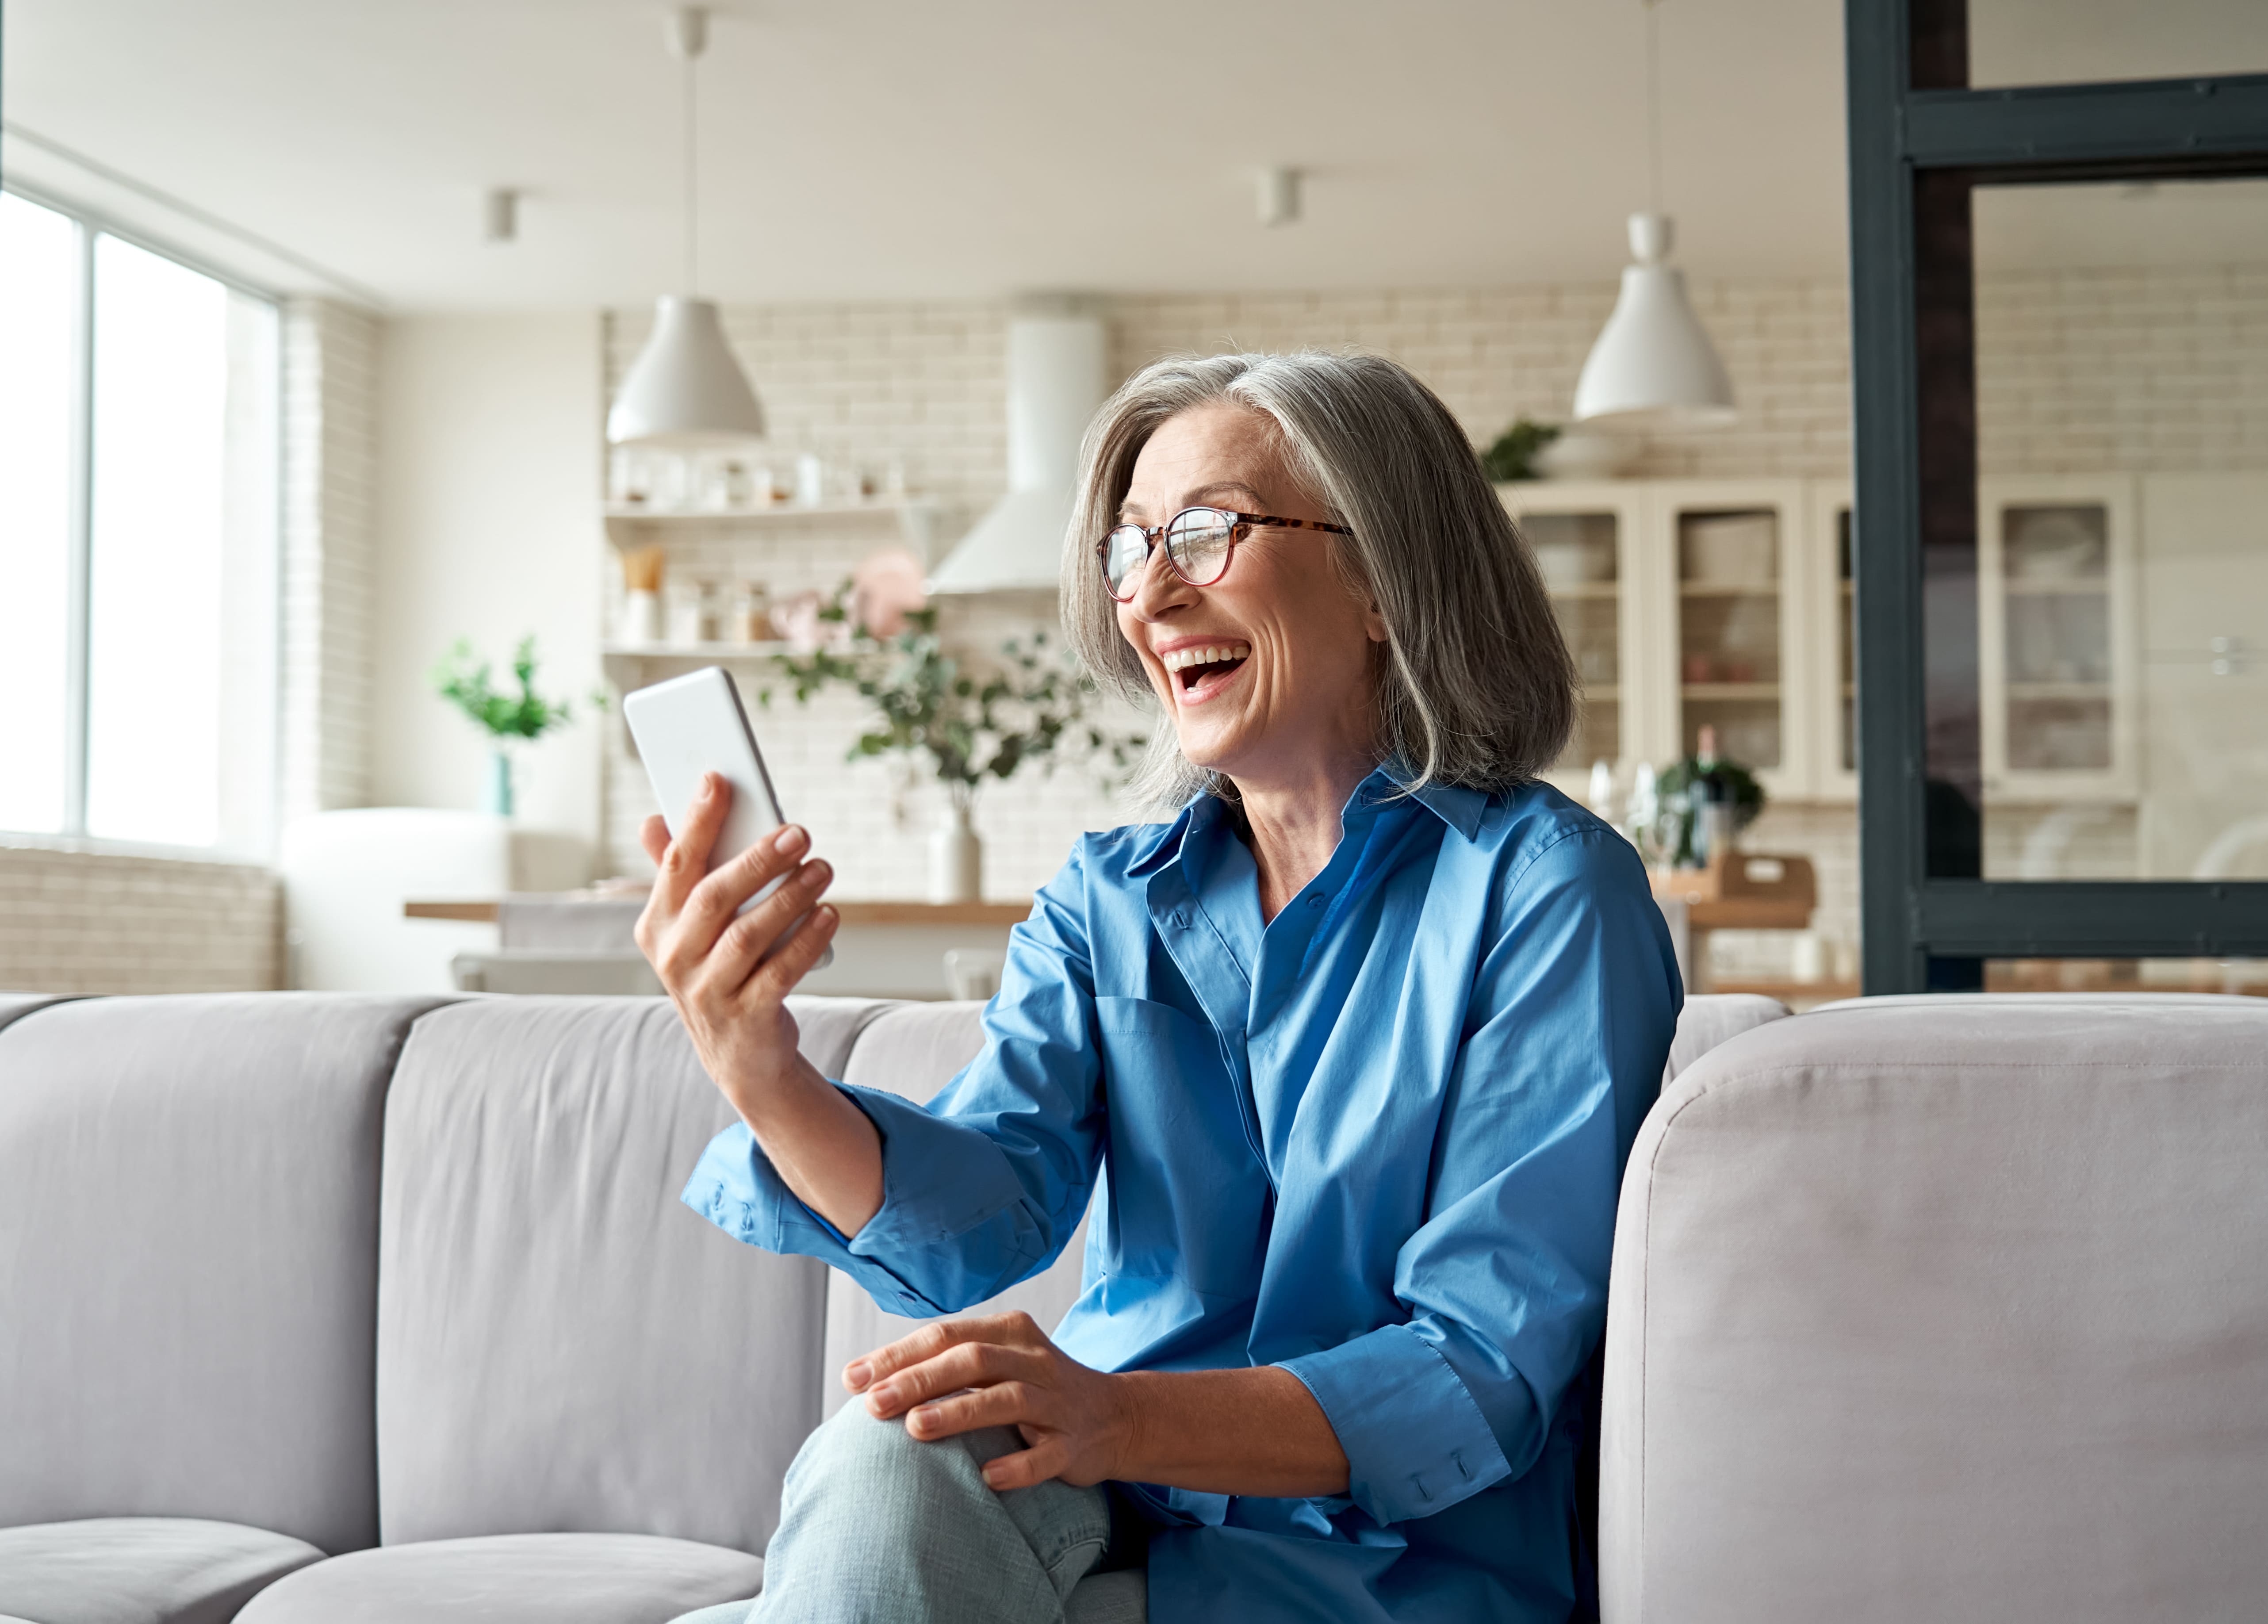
1197	541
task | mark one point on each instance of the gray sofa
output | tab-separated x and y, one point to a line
326	1307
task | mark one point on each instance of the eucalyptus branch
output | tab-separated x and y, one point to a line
969	725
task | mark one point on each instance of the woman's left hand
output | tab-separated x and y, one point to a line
958	1374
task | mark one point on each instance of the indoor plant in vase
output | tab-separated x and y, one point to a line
968	726
508	718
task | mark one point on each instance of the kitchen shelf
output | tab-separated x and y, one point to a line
2065	586
2101	691
1731	690
641	513
1593	590
633	522
1729	589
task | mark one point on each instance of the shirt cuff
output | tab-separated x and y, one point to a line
1415	1442
937	1186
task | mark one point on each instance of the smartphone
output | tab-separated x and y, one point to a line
696	725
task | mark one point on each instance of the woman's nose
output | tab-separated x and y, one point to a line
1160	587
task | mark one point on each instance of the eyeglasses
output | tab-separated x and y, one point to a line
1199	543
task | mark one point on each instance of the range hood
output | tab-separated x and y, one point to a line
1057	375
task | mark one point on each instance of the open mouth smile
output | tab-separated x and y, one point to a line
1198	673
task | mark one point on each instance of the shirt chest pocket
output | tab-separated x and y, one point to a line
1188	1197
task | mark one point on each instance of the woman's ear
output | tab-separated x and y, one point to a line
1373	623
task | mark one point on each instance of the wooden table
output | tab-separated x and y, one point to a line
883	948
1739	891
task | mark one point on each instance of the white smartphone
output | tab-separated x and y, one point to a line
696	725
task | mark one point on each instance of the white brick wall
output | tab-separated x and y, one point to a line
2076	371
96	923
329	452
2154	371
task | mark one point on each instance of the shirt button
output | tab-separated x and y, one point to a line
1316	900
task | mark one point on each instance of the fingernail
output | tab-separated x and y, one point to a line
818	874
920	1419
790	839
991	1477
825	916
858	1373
710	782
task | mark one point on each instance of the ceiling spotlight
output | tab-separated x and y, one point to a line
1278	196
500	213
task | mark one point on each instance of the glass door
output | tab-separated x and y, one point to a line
2059	294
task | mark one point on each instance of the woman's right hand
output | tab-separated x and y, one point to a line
729	975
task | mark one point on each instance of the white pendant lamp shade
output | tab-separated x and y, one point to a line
685	390
1654	359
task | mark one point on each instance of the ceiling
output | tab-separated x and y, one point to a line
886	148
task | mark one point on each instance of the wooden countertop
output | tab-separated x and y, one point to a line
998	915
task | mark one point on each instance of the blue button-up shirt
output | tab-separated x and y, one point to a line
1375	1140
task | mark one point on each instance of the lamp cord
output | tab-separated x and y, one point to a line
1653	107
692	187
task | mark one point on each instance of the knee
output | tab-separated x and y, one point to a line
852	1450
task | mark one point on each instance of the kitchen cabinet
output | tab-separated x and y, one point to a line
2058	652
1685	605
1730	603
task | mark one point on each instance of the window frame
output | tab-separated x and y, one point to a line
88	224
1905	141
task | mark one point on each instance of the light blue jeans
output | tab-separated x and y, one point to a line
877	1527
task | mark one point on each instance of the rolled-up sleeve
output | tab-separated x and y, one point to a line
982	1186
1574	1005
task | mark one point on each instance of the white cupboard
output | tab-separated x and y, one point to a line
1730	602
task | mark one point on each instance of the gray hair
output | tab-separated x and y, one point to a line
1476	686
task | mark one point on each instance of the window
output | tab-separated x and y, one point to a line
138	539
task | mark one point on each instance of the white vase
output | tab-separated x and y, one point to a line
641	616
956	858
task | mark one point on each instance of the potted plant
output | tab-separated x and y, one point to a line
507	718
966	726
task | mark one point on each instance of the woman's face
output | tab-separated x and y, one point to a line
1286	692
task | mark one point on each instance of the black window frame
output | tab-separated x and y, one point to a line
1919	139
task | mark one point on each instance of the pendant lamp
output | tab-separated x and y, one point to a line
1653	360
685	390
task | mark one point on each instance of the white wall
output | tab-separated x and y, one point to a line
488	527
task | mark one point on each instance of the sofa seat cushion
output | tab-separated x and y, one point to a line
140	1569
542	1579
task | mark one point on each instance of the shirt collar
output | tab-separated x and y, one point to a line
1462	809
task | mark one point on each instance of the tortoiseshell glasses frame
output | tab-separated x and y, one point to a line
1200	542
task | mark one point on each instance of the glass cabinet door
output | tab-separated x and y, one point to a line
1833	666
1728	639
2052	623
1587	540
1580	557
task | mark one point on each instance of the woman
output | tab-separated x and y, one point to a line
1346	1058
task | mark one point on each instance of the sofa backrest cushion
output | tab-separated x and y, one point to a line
915	1048
188	1258
562	1347
1946	1307
15	1005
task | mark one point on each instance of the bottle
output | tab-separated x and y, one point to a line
1603	789
1643	815
1712	794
